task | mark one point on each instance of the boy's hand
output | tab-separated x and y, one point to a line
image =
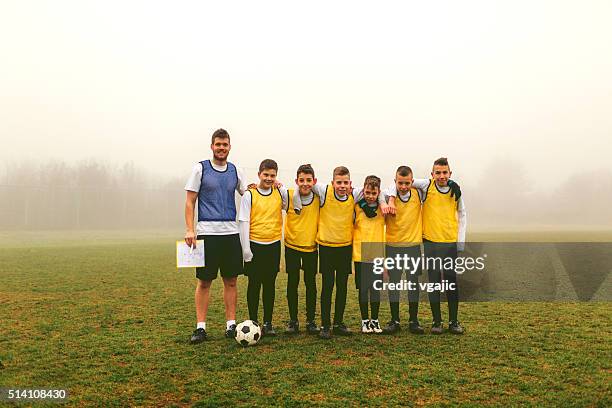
386	209
247	255
455	190
190	239
252	185
278	184
391	206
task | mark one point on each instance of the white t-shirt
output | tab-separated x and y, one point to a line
215	227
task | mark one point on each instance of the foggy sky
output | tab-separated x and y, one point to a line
369	85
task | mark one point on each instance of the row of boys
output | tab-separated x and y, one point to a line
329	225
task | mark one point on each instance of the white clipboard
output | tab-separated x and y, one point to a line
189	257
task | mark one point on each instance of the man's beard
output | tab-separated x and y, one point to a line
219	158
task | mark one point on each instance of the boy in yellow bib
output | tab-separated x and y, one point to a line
444	225
301	249
404	234
368	243
261	223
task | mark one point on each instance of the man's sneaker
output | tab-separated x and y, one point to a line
436	328
231	332
198	336
293	327
375	326
312	328
268	329
415	328
341	330
392	327
365	327
455	328
325	333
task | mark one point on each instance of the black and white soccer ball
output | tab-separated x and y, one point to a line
248	333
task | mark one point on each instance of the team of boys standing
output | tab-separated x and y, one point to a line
329	225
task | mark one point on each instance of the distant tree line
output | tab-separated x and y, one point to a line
95	195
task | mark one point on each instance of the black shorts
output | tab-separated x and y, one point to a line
296	260
266	259
412	252
221	252
335	259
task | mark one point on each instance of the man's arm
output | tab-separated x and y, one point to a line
244	219
462	215
192	187
190	236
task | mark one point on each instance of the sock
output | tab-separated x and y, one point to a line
201	325
229	323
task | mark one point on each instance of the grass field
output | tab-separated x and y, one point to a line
109	319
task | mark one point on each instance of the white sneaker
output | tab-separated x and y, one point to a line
375	327
365	327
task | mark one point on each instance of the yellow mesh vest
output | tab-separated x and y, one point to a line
301	230
336	220
368	231
266	216
406	227
439	215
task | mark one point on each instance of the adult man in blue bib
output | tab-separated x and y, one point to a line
213	184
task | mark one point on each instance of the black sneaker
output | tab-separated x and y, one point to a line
455	328
293	327
231	332
268	329
325	333
415	328
436	328
312	328
341	330
198	336
392	327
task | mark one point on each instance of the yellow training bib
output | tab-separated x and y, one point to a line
406	227
336	220
266	216
439	215
301	230
368	236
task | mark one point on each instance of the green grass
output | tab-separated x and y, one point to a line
110	319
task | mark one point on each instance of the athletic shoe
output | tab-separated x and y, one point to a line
415	328
375	326
293	327
455	328
198	336
365	327
312	328
341	330
436	328
325	333
392	327
268	329
231	332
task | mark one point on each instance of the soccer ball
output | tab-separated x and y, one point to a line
248	333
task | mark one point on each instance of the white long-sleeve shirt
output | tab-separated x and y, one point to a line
245	220
320	189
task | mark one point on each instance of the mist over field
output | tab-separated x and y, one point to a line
96	195
106	106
